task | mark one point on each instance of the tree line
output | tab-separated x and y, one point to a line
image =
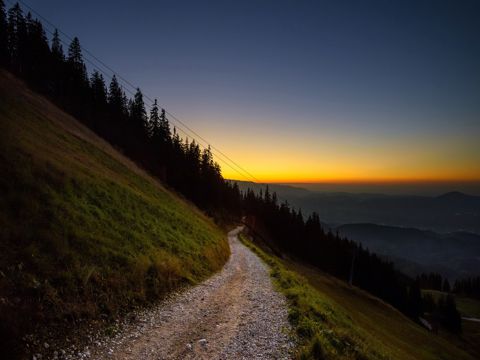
434	281
468	286
148	138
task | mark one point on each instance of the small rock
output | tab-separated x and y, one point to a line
46	345
203	342
189	346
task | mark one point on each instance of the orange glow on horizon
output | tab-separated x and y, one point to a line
347	181
342	156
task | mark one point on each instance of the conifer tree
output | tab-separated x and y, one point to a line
57	48
3	35
116	98
154	122
99	91
99	103
164	127
138	114
207	160
75	58
16	35
37	55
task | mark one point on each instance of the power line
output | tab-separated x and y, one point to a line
226	159
179	124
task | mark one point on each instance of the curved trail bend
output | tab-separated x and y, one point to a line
236	314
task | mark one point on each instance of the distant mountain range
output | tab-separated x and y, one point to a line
418	233
415	251
450	212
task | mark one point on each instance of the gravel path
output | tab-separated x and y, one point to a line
236	314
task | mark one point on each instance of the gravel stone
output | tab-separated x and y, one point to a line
236	314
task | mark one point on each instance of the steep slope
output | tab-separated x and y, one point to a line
384	326
84	231
337	321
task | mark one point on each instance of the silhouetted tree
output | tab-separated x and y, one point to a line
16	36
3	35
138	114
99	102
57	48
445	312
116	98
37	62
453	320
468	286
446	286
154	128
75	57
415	303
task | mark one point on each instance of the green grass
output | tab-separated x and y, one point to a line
335	321
468	307
84	231
323	330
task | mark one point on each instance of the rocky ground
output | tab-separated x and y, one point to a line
236	314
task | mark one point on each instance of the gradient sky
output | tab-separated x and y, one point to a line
302	91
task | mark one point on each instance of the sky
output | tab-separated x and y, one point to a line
304	91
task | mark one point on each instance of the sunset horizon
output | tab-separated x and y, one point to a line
305	102
240	179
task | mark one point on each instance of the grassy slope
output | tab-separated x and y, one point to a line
83	230
335	321
468	307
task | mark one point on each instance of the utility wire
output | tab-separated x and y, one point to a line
179	124
214	149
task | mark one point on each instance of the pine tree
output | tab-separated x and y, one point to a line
207	159
3	35
16	36
99	103
116	98
75	52
415	301
57	48
164	127
154	122
138	114
452	318
99	90
75	59
37	55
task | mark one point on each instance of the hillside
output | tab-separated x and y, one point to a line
385	326
337	321
85	232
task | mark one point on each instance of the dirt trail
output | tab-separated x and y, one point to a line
236	314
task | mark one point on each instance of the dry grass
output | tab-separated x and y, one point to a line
85	231
336	321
